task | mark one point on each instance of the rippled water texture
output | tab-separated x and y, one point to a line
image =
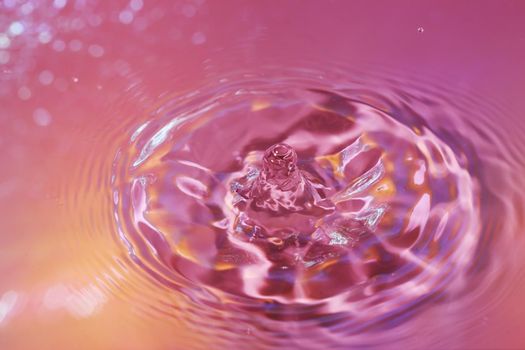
193	175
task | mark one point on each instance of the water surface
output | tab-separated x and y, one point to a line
135	206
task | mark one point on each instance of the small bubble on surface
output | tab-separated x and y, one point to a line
75	45
46	77
136	5
59	45
96	50
44	37
59	3
42	117
125	17
24	93
75	79
27	8
420	29
198	38
4	41
16	28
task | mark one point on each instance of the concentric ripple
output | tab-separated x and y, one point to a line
385	213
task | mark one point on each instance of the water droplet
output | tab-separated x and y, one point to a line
42	117
279	161
420	30
291	228
198	38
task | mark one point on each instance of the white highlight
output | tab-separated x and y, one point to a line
42	117
136	5
7	304
125	17
16	28
420	213
59	3
4	41
419	176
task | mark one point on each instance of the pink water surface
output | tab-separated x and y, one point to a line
86	85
